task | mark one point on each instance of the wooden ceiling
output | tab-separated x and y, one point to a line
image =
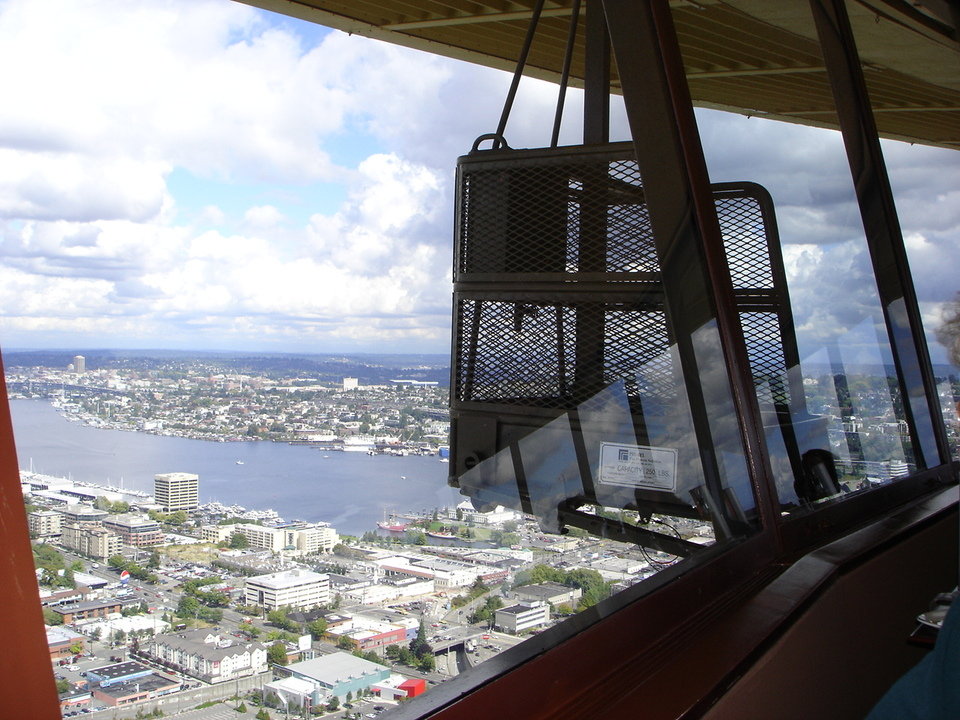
754	57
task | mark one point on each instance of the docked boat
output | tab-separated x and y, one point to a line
392	526
440	535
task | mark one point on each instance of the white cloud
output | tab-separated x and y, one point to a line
111	100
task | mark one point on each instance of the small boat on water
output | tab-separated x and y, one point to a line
239	462
440	535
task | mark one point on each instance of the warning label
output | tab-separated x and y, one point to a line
638	466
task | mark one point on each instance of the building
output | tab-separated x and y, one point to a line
298	539
62	641
522	616
497	516
350	383
88	609
316	538
177	491
207	655
81	512
127	683
45	523
134	530
337	674
293	691
369	634
79	364
90	539
551	593
294	588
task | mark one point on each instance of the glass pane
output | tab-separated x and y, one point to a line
577	397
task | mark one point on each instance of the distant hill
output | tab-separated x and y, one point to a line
369	368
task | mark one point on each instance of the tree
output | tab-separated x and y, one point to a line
238	541
62	686
188	606
277	654
317	628
333	704
52	618
154	562
426	663
345	643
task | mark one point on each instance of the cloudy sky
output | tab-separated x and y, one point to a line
200	174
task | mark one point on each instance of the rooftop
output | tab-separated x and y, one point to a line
287	579
335	668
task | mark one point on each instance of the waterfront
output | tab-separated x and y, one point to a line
352	491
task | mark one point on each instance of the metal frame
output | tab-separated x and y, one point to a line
667	144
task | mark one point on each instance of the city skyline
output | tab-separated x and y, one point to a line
245	181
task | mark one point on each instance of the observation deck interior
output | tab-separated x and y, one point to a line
803	605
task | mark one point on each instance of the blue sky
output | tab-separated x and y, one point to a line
201	174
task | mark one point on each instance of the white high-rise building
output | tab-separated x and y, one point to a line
177	491
350	383
79	364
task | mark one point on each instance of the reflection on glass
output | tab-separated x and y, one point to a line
629	467
948	390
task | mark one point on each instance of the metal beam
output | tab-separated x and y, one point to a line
696	281
458	20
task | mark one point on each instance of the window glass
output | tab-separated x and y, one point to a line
576	397
832	405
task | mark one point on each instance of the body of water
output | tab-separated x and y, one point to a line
350	490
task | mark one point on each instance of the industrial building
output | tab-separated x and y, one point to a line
337	674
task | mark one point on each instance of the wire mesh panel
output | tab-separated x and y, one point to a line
539	231
520	349
550	215
565	362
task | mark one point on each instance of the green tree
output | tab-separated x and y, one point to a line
317	628
62	686
426	663
52	618
188	607
238	541
277	654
